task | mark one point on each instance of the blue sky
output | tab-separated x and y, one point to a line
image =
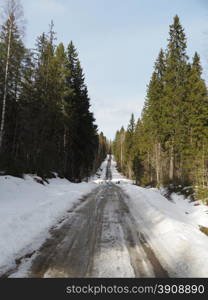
118	42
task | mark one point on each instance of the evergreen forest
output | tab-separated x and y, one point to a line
46	126
168	144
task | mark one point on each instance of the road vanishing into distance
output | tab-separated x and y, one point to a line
98	238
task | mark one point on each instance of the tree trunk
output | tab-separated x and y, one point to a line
203	167
121	155
5	89
122	141
160	162
65	152
157	158
171	169
149	167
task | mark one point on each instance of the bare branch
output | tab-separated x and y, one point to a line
13	8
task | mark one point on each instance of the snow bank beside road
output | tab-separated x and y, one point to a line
28	210
100	175
172	229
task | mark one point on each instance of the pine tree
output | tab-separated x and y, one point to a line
118	148
82	130
174	94
128	148
138	161
11	56
24	160
153	117
196	126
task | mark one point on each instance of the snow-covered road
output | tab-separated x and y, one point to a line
98	239
121	230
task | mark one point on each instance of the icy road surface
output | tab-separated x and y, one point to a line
98	239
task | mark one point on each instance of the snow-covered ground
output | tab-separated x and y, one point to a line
29	209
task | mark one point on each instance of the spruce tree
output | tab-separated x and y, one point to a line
12	53
196	125
128	148
174	94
